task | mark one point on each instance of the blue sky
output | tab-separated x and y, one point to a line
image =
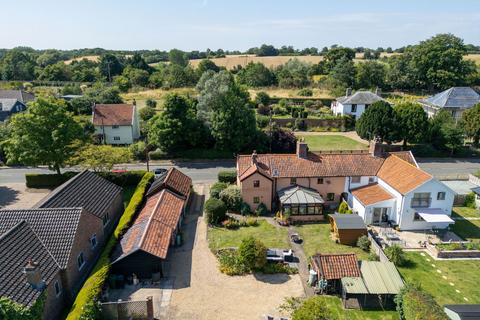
201	24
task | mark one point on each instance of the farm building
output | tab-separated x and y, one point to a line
347	228
377	285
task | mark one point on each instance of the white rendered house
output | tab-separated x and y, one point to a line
116	124
354	104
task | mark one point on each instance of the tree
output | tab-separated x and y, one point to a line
101	158
444	132
344	72
45	134
256	75
396	255
147	113
110	66
471	123
370	74
262	98
412	122
178	57
224	107
438	63
334	55
215	211
378	121
267	50
136	77
49	57
137	62
344	208
232	197
313	309
56	72
205	65
293	74
100	93
282	140
252	254
176	126
17	65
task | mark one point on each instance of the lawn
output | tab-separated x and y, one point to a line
316	239
332	142
464	275
467	229
335	305
271	236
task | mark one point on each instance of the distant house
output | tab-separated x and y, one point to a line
456	100
13	101
116	123
146	244
51	248
354	104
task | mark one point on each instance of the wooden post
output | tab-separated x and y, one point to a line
150	308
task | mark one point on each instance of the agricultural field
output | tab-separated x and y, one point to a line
276	92
154	94
89	58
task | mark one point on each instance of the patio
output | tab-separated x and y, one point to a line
411	239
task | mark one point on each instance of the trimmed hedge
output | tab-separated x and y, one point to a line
51	181
85	301
228	176
414	303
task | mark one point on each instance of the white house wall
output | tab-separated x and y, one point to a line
433	186
341	109
367	211
395	214
125	133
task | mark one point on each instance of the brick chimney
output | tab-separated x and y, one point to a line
375	148
302	149
254	157
33	275
348	92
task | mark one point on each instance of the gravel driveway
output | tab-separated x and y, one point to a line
200	291
16	196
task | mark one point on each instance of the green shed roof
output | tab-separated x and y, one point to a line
354	285
381	277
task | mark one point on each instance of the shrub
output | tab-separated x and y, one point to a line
232	197
261	210
231	224
279	111
300	125
470	200
245	209
396	255
263	109
215	211
252	254
344	208
216	188
313	309
308	104
229	264
138	150
85	301
262	98
252	222
157	154
151	103
414	303
262	121
305	92
272	268
372	256
228	176
363	243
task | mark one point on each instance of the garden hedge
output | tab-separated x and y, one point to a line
85	301
414	303
51	181
227	176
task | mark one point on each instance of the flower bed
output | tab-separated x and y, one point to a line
457	250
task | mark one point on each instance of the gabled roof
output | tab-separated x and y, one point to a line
56	228
381	277
174	180
371	194
254	168
336	266
19	95
315	165
401	175
153	228
299	195
455	97
8	104
17	246
406	156
113	114
348	221
360	97
87	190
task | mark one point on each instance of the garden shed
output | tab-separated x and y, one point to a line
377	285
347	228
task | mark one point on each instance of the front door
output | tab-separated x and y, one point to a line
379	215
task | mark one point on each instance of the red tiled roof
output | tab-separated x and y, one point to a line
321	165
406	156
153	228
113	114
401	175
336	266
175	180
253	169
371	194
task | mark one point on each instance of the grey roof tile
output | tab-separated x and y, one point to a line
56	228
455	97
87	190
360	97
17	246
19	95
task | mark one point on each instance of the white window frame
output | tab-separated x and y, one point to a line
107	220
80	255
58	288
116	138
256	198
93	239
443	193
358	179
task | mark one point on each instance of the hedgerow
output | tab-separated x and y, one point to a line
84	306
10	310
